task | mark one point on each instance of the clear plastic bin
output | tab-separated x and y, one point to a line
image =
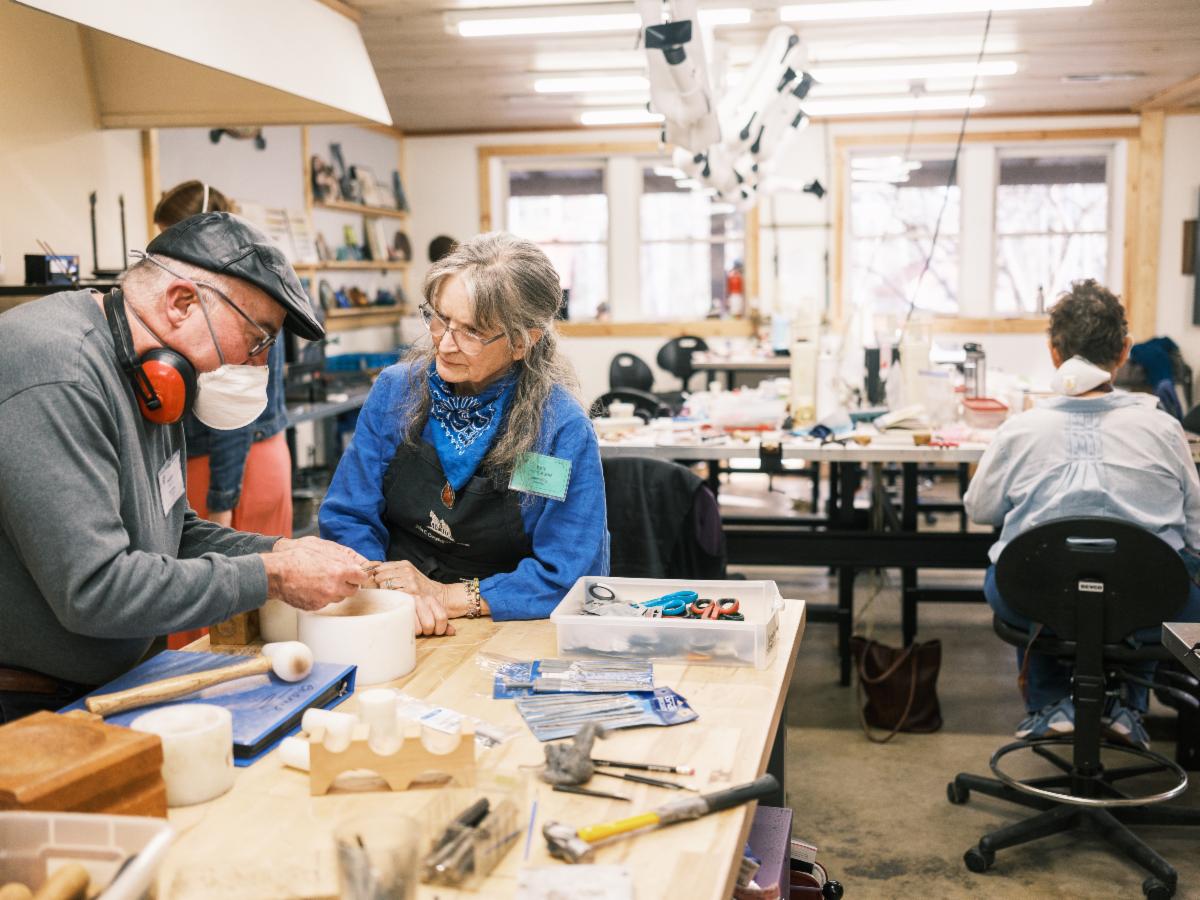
688	641
33	845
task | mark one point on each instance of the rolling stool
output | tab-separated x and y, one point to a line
1092	582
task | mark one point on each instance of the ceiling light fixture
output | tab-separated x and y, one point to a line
590	61
584	84
882	105
950	46
561	22
913	71
619	117
895	9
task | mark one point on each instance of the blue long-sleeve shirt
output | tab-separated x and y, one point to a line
569	537
1111	455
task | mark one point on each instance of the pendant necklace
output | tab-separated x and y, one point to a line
448	496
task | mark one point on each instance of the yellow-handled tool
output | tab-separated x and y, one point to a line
578	845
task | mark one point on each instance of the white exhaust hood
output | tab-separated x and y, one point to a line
159	63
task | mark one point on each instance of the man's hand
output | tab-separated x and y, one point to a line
224	518
322	547
310	573
432	614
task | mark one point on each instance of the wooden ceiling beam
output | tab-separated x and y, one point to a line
1184	95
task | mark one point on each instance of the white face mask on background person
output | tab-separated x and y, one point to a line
1078	376
230	396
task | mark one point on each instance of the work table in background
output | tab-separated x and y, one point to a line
268	837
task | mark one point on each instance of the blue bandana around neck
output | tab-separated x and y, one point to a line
462	428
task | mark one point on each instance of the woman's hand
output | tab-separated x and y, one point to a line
432	614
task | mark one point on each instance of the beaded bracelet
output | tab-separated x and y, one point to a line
474	601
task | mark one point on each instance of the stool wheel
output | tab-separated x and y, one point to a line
978	859
957	795
832	890
1157	890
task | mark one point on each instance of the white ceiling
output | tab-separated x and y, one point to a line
435	81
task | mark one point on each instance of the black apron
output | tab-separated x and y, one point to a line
483	534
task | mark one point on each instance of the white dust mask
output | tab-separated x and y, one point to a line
1078	376
231	396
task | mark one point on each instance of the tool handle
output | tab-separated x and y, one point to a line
735	796
170	688
593	833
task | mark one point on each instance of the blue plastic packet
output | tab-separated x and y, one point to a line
524	678
553	716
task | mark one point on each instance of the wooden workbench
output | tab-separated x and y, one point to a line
268	837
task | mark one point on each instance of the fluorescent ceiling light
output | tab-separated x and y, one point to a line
583	85
669	172
964	45
593	61
882	105
912	71
560	22
517	25
690	184
894	9
732	16
619	117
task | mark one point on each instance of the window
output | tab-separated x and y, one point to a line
563	208
1021	223
689	245
894	207
1051	226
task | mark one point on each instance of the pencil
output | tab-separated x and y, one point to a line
654	782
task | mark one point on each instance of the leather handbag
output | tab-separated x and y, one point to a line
897	687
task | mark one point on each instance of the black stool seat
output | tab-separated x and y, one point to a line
1092	582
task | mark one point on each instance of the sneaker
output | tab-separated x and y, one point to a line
1124	724
1058	718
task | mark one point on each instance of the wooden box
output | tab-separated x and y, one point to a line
242	629
76	764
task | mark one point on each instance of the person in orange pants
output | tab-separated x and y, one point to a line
240	478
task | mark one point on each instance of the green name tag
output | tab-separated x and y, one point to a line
546	476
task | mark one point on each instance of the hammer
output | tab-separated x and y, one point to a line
289	660
578	845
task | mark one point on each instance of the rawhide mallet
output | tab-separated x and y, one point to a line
288	660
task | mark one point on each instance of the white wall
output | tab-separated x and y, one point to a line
52	155
1181	200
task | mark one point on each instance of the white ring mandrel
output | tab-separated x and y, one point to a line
377	710
339	727
293	752
197	741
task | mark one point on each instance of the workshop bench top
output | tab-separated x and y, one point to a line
267	837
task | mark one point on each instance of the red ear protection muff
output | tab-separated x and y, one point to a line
164	382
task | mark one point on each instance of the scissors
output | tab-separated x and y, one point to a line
673	604
725	608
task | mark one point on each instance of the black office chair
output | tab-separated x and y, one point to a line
646	406
663	519
675	356
1092	582
628	370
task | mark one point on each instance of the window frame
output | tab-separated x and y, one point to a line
624	243
1122	144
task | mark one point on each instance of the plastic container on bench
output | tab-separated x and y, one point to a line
33	845
688	641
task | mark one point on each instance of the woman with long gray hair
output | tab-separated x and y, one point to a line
474	477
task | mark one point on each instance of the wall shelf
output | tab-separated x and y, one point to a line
354	265
360	208
362	317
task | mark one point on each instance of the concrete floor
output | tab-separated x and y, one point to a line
879	813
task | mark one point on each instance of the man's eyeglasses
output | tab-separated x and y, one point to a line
265	341
467	341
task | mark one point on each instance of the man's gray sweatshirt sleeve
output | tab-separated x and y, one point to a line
66	490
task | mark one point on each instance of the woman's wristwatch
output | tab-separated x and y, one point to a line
474	601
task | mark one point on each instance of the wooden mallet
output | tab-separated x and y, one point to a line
289	660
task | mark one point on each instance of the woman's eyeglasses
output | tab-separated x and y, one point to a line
467	341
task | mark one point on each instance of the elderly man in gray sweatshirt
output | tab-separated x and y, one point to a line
99	552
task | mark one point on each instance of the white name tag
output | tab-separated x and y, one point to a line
170	482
